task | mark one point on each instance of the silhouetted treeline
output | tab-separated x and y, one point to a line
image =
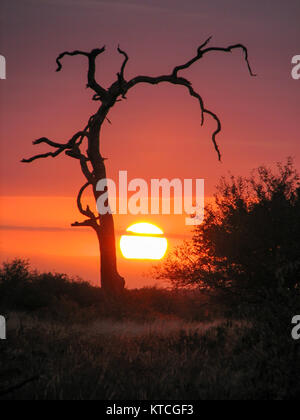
62	298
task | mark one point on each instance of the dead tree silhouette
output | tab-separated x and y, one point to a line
93	164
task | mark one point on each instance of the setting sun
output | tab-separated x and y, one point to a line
144	242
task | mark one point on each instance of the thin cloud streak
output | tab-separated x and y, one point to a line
39	228
70	229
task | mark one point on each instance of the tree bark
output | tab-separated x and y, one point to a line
111	281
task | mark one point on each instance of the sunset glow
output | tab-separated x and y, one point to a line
149	203
155	134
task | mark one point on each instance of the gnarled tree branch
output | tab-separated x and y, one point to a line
193	60
69	146
43	156
121	74
201	52
92	219
76	154
61	56
230	49
186	83
100	91
176	80
86	212
85	223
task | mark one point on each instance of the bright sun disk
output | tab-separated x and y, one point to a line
145	242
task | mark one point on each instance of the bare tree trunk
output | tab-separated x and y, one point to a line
111	281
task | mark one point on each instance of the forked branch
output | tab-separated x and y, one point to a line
44	156
201	52
230	49
61	147
92	218
100	91
173	78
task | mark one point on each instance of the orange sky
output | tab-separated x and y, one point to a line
46	237
155	133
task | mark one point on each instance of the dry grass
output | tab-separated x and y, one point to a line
145	345
108	360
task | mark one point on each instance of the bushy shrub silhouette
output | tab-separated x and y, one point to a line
249	244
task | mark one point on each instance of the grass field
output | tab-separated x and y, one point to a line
67	340
110	360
